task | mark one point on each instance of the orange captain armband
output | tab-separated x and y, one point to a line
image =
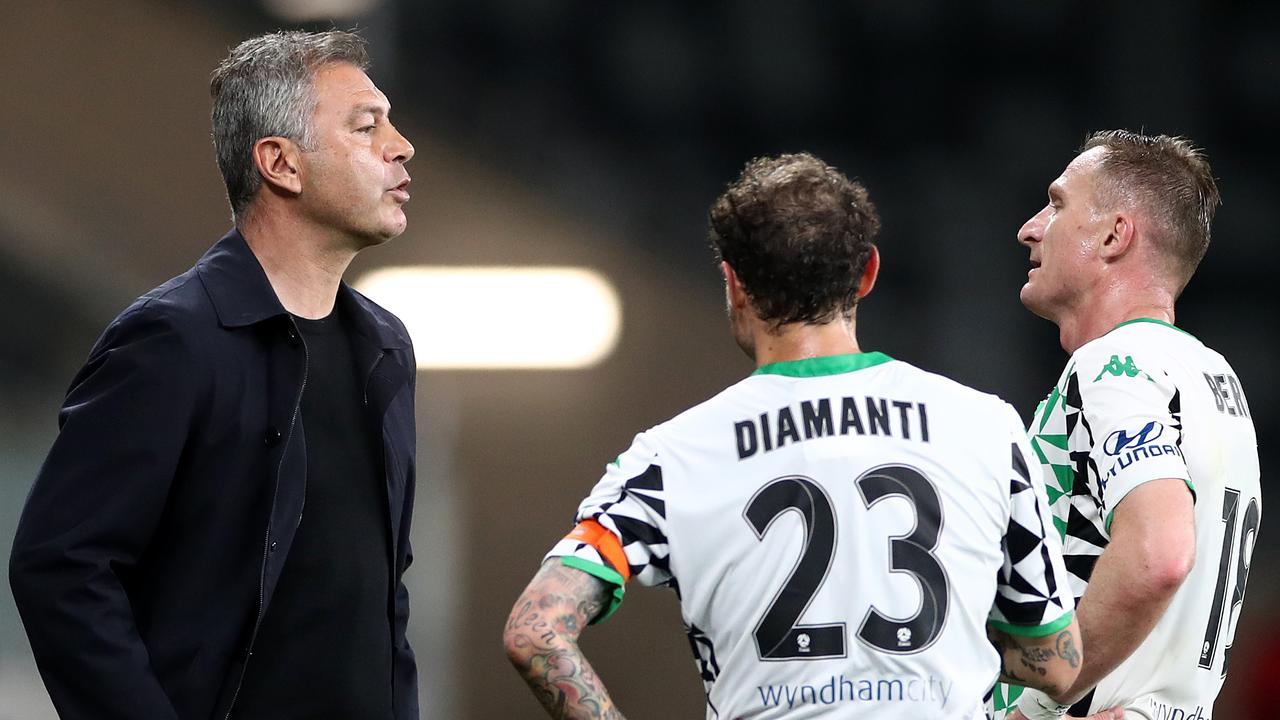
616	572
606	543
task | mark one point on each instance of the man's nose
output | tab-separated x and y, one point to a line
399	149
1031	230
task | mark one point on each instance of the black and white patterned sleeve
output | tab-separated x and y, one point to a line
1032	594
1133	410
629	504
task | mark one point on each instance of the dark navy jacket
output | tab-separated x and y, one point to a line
153	538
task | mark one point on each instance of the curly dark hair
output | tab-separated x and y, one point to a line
798	234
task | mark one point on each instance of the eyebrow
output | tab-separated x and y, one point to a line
376	110
1055	191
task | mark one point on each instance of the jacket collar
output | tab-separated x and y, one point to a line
237	284
371	320
242	295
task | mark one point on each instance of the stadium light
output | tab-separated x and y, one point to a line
316	10
501	317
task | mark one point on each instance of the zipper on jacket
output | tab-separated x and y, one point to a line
394	585
266	543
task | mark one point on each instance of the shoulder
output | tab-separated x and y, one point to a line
1132	366
724	404
178	308
931	385
1134	350
159	337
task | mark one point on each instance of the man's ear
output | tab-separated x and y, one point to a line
869	273
1119	238
734	293
277	160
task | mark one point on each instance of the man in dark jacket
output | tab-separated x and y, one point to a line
222	525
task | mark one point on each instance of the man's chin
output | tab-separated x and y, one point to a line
394	227
1034	303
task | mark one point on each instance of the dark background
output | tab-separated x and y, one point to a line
597	134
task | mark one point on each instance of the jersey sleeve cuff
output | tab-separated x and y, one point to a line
1111	515
1034	630
607	574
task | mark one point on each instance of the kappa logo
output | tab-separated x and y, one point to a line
1121	369
1120	440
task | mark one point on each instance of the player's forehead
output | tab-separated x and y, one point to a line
1078	176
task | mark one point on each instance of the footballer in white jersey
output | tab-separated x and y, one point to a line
1143	402
1146	442
839	530
849	536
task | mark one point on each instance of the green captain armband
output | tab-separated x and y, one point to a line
607	574
1034	630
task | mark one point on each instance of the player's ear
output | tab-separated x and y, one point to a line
277	160
1119	237
869	273
734	293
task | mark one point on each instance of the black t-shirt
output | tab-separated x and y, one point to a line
324	649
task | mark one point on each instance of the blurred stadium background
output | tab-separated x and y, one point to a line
595	135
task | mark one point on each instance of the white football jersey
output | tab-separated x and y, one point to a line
840	530
1148	401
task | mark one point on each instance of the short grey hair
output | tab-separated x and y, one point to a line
265	88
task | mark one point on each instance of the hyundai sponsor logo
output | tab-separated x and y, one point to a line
1120	440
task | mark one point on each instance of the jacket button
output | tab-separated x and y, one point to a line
271	437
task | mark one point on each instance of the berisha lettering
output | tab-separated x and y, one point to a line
829	418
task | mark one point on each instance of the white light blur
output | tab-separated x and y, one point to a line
313	10
501	317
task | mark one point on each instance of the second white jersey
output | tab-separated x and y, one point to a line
1148	401
840	531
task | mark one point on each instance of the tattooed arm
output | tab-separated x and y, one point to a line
542	642
1050	663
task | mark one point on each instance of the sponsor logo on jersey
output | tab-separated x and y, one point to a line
1165	711
838	689
1141	452
1120	440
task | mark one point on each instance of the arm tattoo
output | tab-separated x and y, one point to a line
542	640
1023	665
1067	649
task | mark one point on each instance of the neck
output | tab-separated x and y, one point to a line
303	264
798	341
1116	304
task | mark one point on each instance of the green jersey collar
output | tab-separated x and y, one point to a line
1153	320
823	365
